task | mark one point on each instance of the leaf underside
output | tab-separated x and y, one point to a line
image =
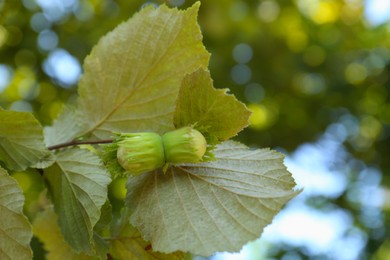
78	186
132	76
15	230
65	128
209	207
21	140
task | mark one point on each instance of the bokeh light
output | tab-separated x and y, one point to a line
268	10
254	93
355	73
5	77
377	12
309	83
47	40
63	67
241	74
55	10
242	53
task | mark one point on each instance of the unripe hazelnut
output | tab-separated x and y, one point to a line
184	145
140	152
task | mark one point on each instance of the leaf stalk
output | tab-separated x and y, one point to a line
74	142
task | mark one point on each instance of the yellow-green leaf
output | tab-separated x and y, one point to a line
212	110
132	76
15	230
46	229
209	207
130	245
21	140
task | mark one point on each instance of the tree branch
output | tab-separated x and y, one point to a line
74	142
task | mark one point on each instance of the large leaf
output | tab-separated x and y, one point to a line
65	128
208	207
132	77
21	140
218	113
45	227
15	230
78	185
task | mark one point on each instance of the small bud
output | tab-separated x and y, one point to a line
184	145
140	152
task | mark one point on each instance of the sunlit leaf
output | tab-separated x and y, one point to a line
132	77
21	140
78	185
15	230
213	110
208	207
45	227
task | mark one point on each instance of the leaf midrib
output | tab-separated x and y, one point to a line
218	186
132	91
80	207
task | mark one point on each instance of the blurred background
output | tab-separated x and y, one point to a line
315	73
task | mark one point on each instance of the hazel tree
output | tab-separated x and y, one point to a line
147	110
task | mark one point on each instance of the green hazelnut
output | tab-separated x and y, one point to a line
140	152
184	145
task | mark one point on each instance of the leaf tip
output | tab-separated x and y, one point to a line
196	6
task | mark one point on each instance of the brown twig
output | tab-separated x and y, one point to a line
74	142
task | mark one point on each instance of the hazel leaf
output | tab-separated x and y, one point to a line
15	230
132	76
209	207
65	128
77	183
21	140
212	111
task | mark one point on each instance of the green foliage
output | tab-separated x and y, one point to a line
310	65
64	128
109	158
15	230
200	104
21	140
78	185
45	227
128	244
149	74
132	76
209	207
